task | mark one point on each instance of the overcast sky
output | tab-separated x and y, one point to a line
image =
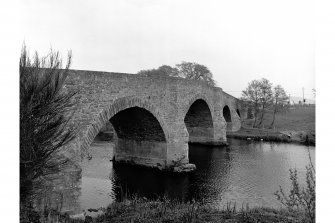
238	40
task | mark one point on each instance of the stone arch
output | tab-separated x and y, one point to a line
137	124
195	98
114	108
199	120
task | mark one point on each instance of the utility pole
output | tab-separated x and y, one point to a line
289	99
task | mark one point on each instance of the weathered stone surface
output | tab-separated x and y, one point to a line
155	115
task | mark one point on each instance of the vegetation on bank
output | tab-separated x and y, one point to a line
271	117
274	136
297	124
300	198
296	118
165	210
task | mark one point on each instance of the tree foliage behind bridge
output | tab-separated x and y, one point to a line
188	70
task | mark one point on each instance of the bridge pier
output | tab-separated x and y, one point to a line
177	158
171	155
144	153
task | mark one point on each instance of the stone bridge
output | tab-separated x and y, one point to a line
154	117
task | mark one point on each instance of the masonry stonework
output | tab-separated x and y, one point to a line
154	117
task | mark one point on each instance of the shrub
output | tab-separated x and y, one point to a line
300	198
44	120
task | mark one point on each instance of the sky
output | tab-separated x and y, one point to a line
238	40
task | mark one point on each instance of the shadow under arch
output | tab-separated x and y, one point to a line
132	137
199	121
227	116
238	112
226	113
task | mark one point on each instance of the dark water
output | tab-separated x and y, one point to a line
245	172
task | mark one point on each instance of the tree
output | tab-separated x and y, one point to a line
258	95
163	70
252	96
44	120
249	113
168	70
266	98
279	101
195	71
185	70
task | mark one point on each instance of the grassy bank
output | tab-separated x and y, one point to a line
164	210
296	125
296	119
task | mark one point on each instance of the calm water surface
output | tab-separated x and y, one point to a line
245	172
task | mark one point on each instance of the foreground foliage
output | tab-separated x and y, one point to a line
44	118
300	198
165	210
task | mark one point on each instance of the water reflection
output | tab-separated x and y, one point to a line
245	172
62	191
150	183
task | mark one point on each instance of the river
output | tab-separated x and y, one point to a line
245	172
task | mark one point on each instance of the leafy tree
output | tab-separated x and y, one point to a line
259	96
195	71
148	72
168	70
44	121
266	97
185	70
252	95
163	70
279	101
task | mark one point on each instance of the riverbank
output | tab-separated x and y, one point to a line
164	210
297	125
300	137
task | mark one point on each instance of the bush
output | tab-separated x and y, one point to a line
300	198
44	121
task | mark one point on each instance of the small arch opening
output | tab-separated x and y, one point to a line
226	114
227	117
238	113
